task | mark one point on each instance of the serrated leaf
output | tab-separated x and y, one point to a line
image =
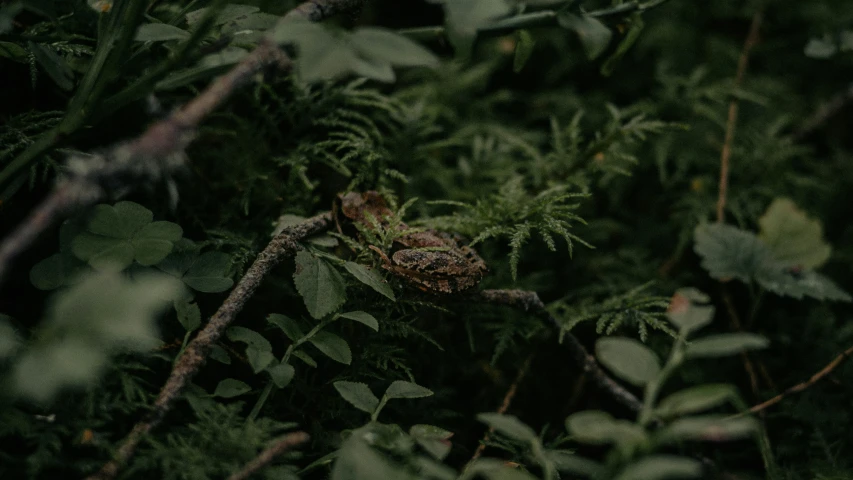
629	359
725	344
209	273
364	318
386	46
798	284
728	252
321	286
403	389
332	346
249	337
282	374
258	359
287	325
594	35
794	238
660	467
709	428
510	426
305	358
523	49
695	399
189	315
357	394
371	278
159	32
230	388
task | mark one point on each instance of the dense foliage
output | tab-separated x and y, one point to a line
577	146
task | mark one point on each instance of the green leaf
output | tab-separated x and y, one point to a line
159	32
9	340
661	467
321	286
258	359
725	344
363	318
58	270
357	394
509	426
464	17
121	220
371	278
820	48
103	253
220	355
685	312
695	399
436	441
282	374
629	359
305	358
12	51
593	34
55	66
599	428
384	46
403	389
523	49
209	273
566	461
287	325
230	388
189	314
493	469
798	284
249	337
713	428
228	13
728	252
794	239
333	346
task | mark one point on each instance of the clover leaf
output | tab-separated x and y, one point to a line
207	272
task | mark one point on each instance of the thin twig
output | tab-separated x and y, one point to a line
808	383
725	154
507	401
824	113
282	246
155	154
529	302
267	456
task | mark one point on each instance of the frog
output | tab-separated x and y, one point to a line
432	261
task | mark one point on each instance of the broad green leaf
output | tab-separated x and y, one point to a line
363	318
287	325
493	469
599	428
159	32
228	13
333	346
728	252
510	426
436	441
798	284
189	314
122	220
282	374
695	399
358	394
371	278
305	358
356	459
794	239
321	286
375	70
220	354
661	467
403	389
258	359
58	270
155	241
209	273
53	64
523	49
629	359
384	46
230	388
685	312
709	428
103	253
821	48
464	17
249	337
593	34
725	344
13	51
566	461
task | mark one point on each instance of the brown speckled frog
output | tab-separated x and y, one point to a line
432	261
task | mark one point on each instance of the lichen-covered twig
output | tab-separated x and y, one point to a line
731	121
282	246
157	153
529	302
267	456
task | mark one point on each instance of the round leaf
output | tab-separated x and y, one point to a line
629	359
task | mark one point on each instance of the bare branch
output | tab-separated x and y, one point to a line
529	302
267	456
